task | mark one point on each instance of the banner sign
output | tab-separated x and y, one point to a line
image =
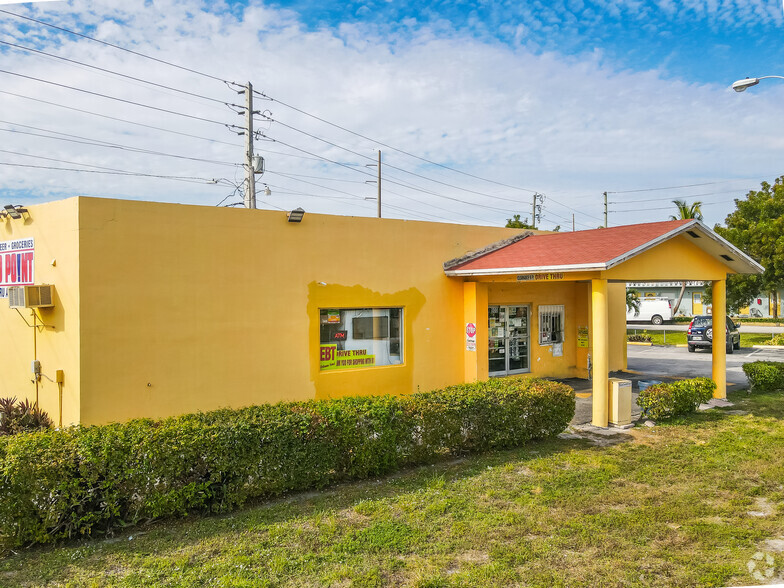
530	277
16	264
334	359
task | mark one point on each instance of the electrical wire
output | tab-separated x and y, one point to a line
123	100
93	142
431	162
137	53
386	165
112	72
190	179
122	120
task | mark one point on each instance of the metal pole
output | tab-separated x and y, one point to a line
250	193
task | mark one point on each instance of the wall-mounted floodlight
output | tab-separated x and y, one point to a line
295	216
14	211
741	85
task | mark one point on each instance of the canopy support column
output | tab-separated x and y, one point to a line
720	338
475	313
601	352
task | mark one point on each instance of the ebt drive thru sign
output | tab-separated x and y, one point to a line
16	264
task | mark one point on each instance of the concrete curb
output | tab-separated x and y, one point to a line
768	346
641	343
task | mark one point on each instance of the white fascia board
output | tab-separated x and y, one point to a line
529	270
726	244
645	246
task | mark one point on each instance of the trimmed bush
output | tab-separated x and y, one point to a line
663	401
639	338
85	480
764	376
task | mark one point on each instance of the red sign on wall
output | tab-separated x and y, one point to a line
17	262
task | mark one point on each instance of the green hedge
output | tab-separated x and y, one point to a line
663	401
765	376
83	480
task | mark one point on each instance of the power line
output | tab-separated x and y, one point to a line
672	187
112	72
44	23
123	120
106	144
386	165
386	145
123	100
190	179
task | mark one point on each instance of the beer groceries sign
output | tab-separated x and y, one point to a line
16	264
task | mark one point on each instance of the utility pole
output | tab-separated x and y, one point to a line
379	183
376	181
572	222
605	210
250	192
536	210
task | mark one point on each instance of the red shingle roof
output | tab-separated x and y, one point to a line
579	248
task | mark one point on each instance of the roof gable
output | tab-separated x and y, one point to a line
596	249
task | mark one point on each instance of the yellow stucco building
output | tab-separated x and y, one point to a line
163	309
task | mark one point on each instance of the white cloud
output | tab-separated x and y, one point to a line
569	127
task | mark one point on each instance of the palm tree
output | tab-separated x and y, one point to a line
685	212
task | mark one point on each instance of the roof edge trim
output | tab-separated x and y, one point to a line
527	270
472	255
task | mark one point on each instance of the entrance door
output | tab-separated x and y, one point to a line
508	345
696	302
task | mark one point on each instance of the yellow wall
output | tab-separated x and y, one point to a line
189	308
534	294
56	262
164	309
676	259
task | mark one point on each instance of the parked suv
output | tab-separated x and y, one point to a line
700	333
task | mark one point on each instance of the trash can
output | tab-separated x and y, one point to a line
619	396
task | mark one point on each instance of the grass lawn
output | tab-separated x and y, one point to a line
679	337
683	504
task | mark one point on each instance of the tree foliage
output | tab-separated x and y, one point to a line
685	210
757	228
632	300
516	223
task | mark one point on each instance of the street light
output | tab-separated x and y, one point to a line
741	85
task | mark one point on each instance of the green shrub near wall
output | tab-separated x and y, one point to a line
82	480
765	376
663	401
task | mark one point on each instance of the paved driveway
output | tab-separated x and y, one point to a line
678	362
744	328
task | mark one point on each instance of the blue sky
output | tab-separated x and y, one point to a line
568	98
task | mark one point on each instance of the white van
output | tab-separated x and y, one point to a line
653	310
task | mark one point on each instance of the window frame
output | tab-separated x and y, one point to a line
551	315
350	353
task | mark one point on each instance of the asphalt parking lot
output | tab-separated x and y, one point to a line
667	363
677	362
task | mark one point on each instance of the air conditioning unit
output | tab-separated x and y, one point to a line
30	296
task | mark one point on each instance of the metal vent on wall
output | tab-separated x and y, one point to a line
30	296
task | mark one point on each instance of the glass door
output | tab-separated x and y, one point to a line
508	340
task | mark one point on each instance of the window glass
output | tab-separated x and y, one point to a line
551	324
360	337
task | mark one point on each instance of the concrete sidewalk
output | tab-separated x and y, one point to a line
584	394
